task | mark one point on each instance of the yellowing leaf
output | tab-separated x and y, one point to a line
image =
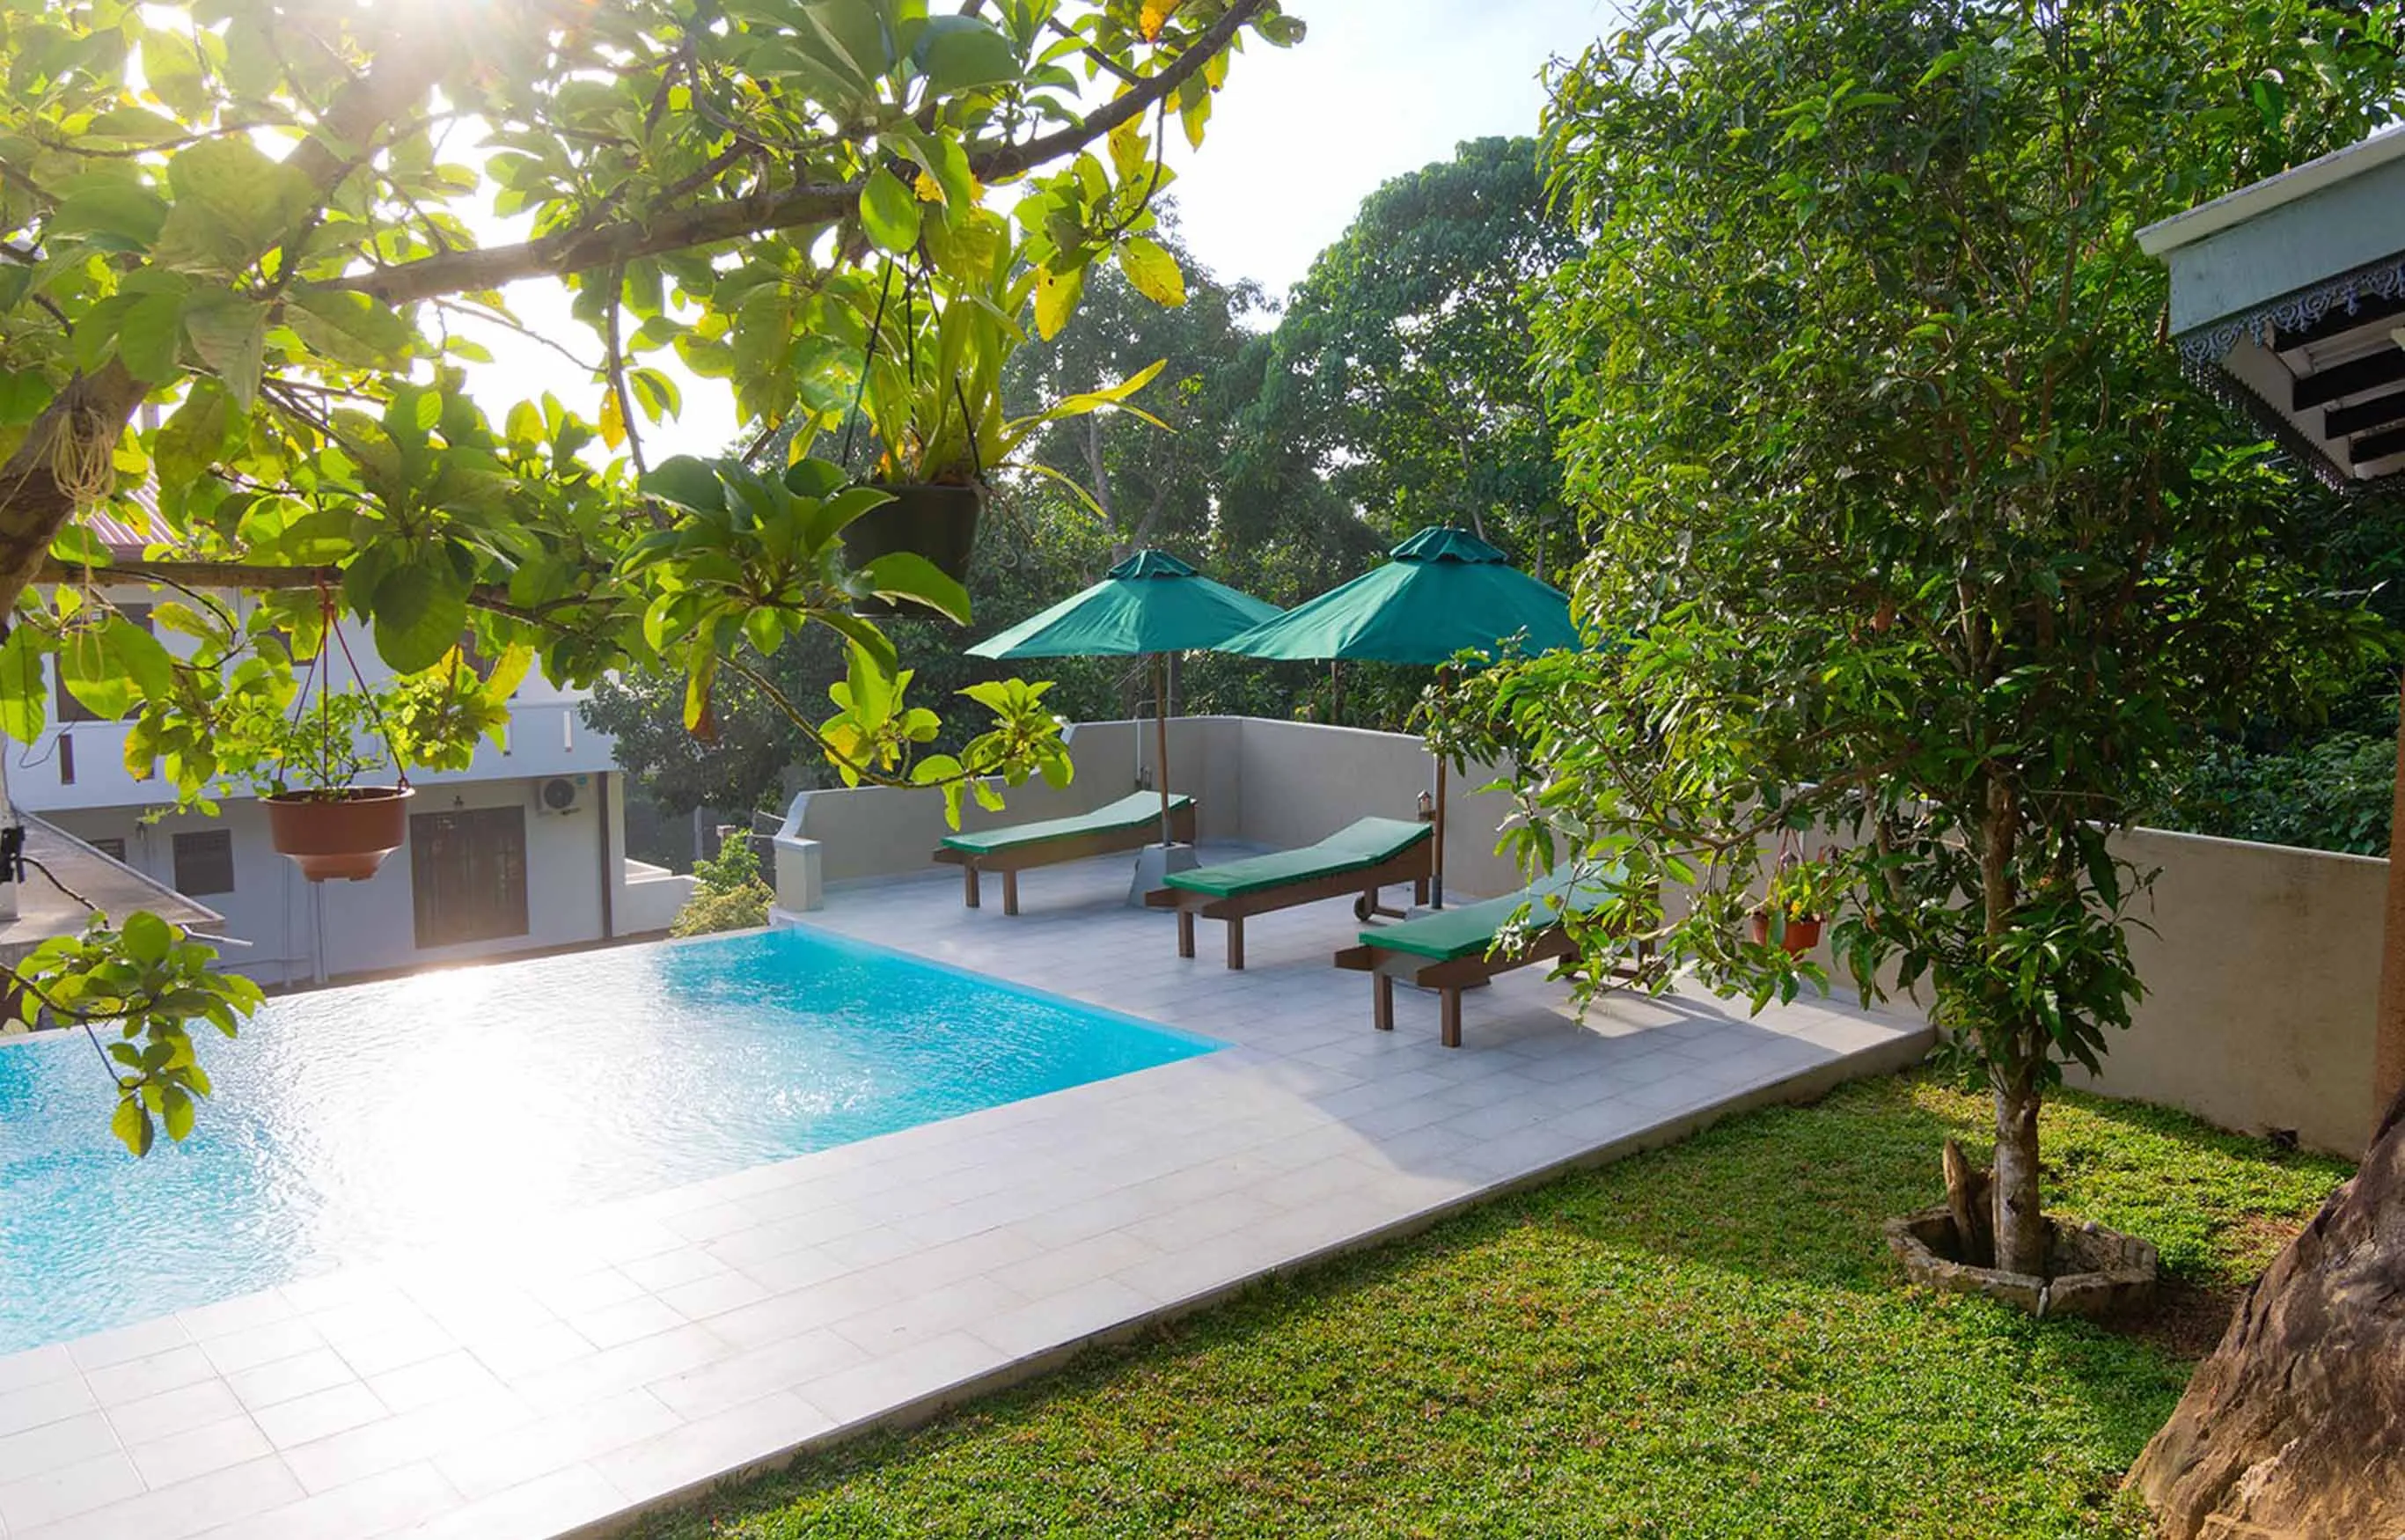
1055	299
1152	270
1155	16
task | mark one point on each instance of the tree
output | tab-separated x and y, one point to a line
247	215
1911	537
1400	364
1153	479
1031	551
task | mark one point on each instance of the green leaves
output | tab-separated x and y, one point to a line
420	609
24	705
962	52
229	332
173	69
889	213
111	209
146	981
907	575
350	328
231	204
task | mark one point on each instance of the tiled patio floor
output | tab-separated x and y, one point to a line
649	1347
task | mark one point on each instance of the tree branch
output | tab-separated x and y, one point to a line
726	220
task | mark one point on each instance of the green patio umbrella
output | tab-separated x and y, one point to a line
1150	603
1445	591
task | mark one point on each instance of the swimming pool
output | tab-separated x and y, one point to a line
354	1124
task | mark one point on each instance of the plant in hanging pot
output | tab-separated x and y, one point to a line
308	771
1797	928
935	337
1789	915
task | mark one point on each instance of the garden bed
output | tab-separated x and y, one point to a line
1711	1339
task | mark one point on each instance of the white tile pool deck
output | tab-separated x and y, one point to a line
643	1351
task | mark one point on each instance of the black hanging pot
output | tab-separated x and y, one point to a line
938	520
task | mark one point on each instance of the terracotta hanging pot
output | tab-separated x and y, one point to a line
1803	934
346	833
936	520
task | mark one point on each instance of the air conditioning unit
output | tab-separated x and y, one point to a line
562	793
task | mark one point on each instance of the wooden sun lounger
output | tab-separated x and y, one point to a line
1131	823
1357	859
1453	950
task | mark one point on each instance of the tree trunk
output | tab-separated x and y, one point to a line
2296	1425
2020	1219
2019	1215
64	463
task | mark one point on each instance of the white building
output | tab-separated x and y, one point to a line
523	850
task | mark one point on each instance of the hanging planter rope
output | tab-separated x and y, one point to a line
339	830
1801	932
938	520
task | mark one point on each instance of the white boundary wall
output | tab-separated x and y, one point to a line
2262	963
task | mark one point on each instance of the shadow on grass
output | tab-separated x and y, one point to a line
1706	1339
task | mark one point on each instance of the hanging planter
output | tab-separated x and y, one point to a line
934	520
1803	932
331	826
346	832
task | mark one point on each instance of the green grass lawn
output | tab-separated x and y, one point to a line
1709	1340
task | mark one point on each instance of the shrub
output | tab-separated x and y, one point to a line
711	911
2331	794
728	893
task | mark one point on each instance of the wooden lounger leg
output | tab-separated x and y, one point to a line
1236	942
1449	1017
969	883
1382	1002
1419	891
1010	893
1186	933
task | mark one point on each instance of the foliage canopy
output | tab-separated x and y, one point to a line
266	219
1915	534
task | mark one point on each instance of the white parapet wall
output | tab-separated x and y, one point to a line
2262	971
648	897
2261	963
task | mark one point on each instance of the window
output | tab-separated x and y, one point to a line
113	849
204	863
468	874
73	710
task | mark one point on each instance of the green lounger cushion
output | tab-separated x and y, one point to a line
1469	930
1355	847
1129	811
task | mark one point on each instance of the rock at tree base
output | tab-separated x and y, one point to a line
2296	1425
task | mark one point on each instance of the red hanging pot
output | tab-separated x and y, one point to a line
1803	934
344	833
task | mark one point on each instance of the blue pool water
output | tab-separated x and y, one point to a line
352	1124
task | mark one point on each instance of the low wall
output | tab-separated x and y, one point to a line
648	897
2262	972
2261	965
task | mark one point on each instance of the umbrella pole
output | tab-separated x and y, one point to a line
1436	859
1160	739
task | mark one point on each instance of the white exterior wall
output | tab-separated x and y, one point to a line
371	926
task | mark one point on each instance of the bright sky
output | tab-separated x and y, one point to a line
1297	140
